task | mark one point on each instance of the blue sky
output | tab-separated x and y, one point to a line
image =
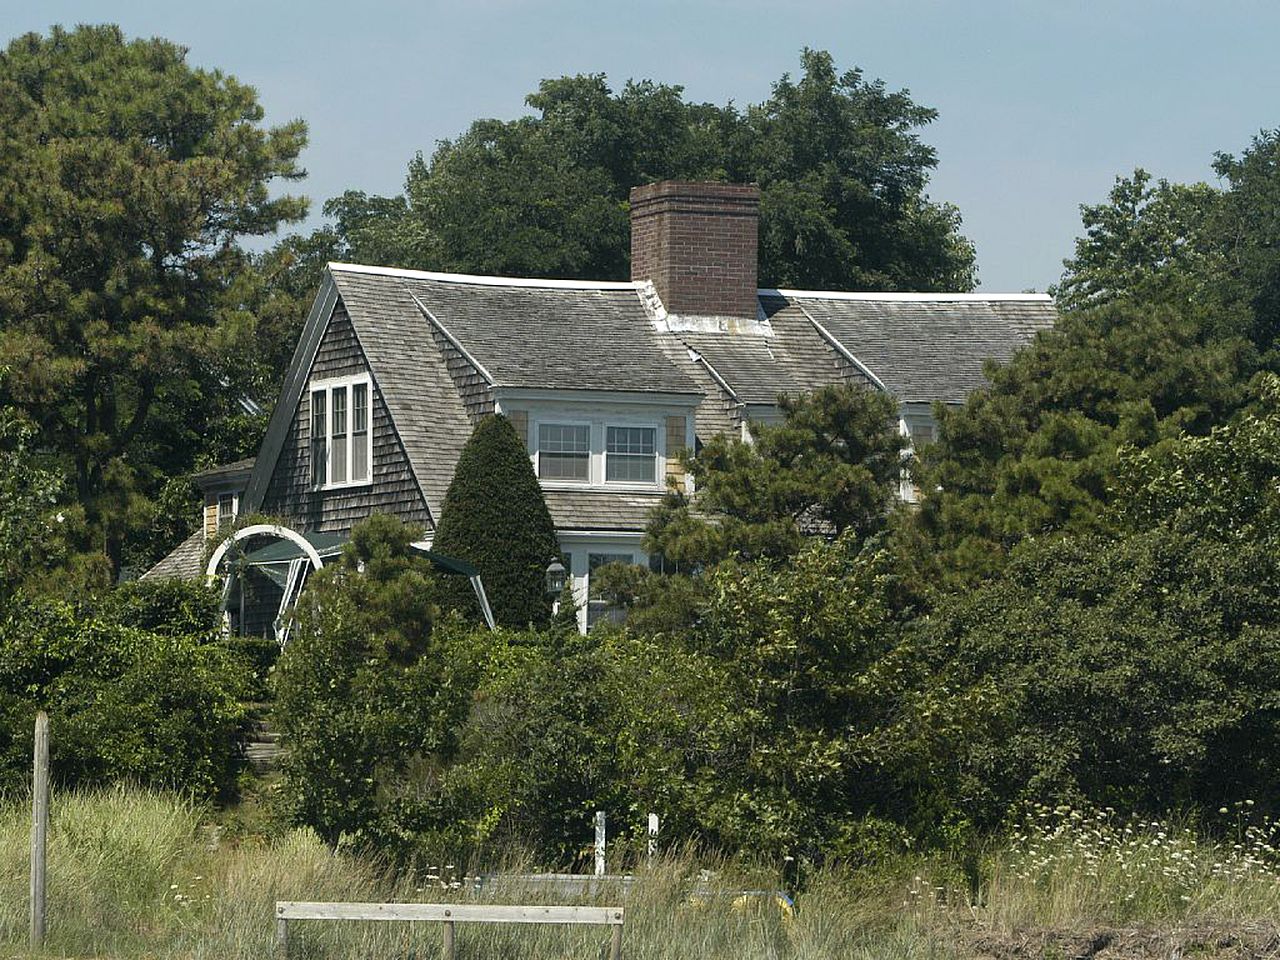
1041	104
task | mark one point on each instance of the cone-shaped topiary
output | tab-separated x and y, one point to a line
494	516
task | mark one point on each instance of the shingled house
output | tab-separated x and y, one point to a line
606	382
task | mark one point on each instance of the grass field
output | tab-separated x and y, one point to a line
134	874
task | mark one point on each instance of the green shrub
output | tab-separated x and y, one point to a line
124	703
1138	673
170	606
494	516
367	695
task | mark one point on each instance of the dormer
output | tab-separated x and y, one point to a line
222	489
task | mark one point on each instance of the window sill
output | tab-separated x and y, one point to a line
614	486
339	487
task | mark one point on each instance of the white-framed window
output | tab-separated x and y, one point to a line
228	508
630	454
919	432
341	432
564	452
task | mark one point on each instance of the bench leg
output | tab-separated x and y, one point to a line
282	939
615	948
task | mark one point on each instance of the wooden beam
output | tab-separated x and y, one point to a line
448	912
39	827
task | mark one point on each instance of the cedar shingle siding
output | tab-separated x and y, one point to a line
394	489
473	388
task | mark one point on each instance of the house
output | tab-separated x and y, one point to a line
606	381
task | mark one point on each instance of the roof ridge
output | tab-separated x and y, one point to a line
909	297
490	281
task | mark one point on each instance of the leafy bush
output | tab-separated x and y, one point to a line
161	709
170	606
494	516
1138	673
367	696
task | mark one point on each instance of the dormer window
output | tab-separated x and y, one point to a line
630	454
228	507
341	438
564	451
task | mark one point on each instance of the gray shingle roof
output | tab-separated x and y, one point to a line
184	562
599	336
925	348
411	373
600	509
568	336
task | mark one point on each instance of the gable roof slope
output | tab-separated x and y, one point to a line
554	334
922	347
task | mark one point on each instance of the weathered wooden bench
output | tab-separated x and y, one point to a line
447	914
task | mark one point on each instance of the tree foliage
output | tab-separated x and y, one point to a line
158	708
1167	315
494	516
28	491
839	160
364	692
831	465
128	177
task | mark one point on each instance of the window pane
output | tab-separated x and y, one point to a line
338	452
360	432
598	608
339	412
360	407
319	434
638	440
564	451
360	456
226	509
629	469
630	454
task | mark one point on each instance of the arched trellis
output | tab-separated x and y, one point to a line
259	530
294	582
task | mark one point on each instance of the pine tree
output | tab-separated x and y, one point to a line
494	516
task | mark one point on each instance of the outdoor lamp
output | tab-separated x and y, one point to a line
555	578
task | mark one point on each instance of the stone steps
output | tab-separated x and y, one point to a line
262	748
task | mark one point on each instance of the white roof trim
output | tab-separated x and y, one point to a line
431	318
844	351
486	281
910	297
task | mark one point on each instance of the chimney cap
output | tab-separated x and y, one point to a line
695	188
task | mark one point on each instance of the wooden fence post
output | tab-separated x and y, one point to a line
39	827
615	945
600	830
448	940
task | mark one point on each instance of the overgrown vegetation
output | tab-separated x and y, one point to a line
162	708
133	874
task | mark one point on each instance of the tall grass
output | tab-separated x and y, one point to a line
132	874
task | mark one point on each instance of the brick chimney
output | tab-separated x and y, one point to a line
697	243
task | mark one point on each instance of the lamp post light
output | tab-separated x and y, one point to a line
555	580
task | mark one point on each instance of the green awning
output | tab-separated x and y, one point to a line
282	551
448	564
275	557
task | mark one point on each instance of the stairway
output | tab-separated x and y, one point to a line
262	746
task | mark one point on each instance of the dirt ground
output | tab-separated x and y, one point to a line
1244	941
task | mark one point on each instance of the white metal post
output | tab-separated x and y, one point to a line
653	836
600	831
